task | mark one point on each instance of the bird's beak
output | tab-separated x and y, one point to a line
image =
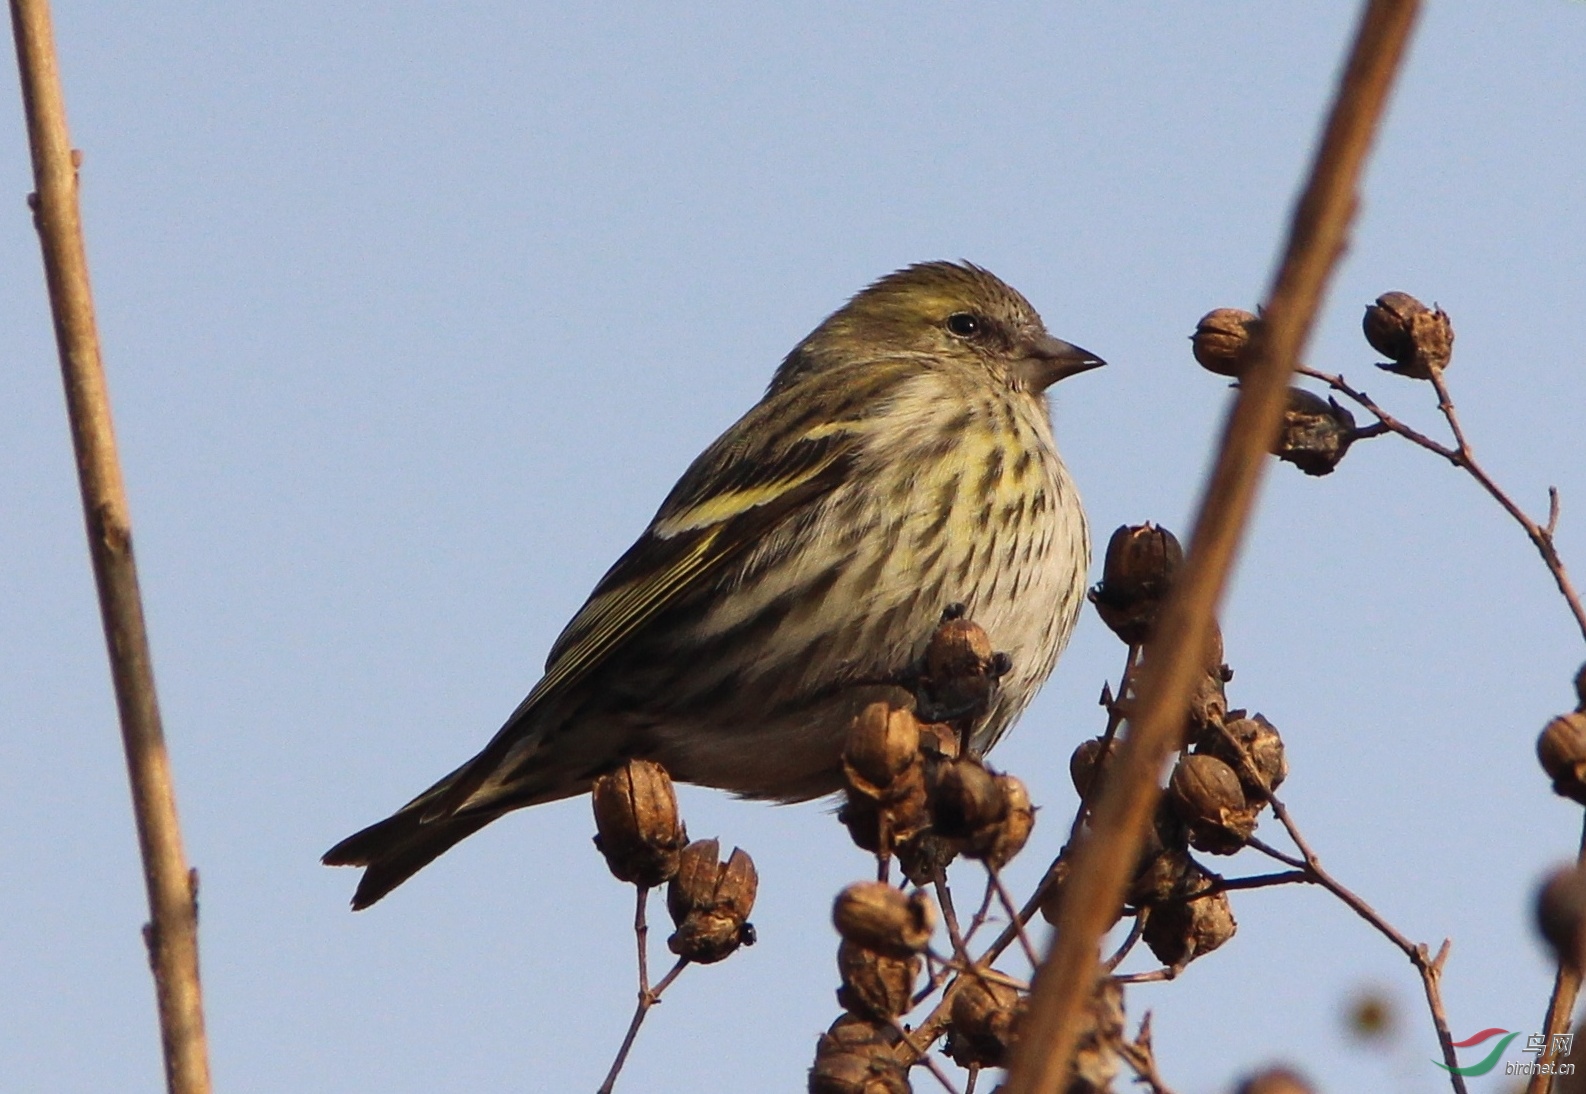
1048	360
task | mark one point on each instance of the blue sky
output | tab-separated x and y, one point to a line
412	314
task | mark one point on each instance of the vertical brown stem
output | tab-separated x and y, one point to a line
172	933
1104	858
1560	1006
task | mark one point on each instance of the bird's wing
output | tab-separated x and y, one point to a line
747	482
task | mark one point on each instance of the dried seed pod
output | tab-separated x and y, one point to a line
880	918
885	794
1141	565
1179	931
967	801
883	743
1161	876
875	985
710	902
1257	739
1580	688
1561	914
997	846
984	1019
1220	340
882	822
636	823
1417	340
887	826
1316	433
960	673
1206	794
1562	751
856	1056
1275	1080
1089	764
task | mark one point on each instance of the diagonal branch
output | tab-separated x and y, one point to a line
172	932
1103	860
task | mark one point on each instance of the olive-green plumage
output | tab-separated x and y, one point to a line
901	461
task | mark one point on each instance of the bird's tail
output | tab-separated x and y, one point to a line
393	850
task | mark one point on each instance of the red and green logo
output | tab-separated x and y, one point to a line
1491	1060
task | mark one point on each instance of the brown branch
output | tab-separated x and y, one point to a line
1560	1006
1461	455
1013	916
1141	1058
1541	538
1094	891
1429	967
930	1064
172	931
648	998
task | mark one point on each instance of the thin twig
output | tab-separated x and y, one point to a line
1141	1059
1429	967
1257	881
944	897
641	935
927	1060
1130	941
1013	914
647	999
1541	535
1094	891
978	920
172	931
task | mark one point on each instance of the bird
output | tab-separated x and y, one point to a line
901	460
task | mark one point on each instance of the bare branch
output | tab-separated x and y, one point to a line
172	931
1095	888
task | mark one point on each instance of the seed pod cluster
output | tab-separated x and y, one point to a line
1231	763
1142	562
636	823
983	1022
710	901
883	931
1417	340
855	1056
1221	338
1316	433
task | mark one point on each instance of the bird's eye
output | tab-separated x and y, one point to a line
964	324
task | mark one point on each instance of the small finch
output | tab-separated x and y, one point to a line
902	460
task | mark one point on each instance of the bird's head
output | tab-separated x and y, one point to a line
940	311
